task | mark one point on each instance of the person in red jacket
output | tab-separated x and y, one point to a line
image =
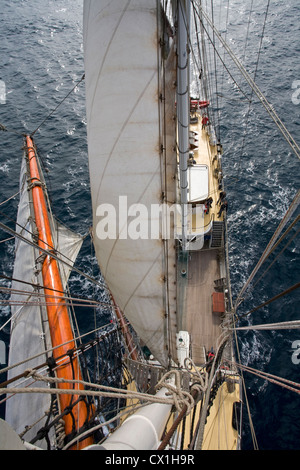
205	121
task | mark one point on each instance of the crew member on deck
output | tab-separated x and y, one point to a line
205	121
223	207
210	358
222	197
208	204
191	160
211	354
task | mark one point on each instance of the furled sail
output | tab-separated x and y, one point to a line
131	141
28	311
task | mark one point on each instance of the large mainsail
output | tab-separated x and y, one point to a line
130	97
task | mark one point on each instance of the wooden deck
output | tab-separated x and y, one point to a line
204	266
200	321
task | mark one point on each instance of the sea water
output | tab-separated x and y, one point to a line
41	61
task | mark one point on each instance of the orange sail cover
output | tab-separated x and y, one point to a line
58	315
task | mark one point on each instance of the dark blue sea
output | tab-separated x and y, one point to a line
41	60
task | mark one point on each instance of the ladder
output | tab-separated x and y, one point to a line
217	236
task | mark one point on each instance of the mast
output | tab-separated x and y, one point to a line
59	323
183	109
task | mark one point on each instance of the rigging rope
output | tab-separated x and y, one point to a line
252	430
285	383
288	325
59	104
216	77
246	41
38	294
3	128
254	76
34	235
226	26
34	299
11	197
224	65
276	257
179	397
269	108
214	367
276	297
51	254
50	350
269	247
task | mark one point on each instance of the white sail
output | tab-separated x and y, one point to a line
68	244
28	313
124	121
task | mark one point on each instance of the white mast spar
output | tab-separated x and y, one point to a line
183	109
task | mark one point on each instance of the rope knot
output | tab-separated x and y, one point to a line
181	398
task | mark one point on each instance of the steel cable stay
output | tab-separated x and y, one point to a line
212	42
68	302
288	325
11	197
285	383
206	61
276	297
36	298
216	52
